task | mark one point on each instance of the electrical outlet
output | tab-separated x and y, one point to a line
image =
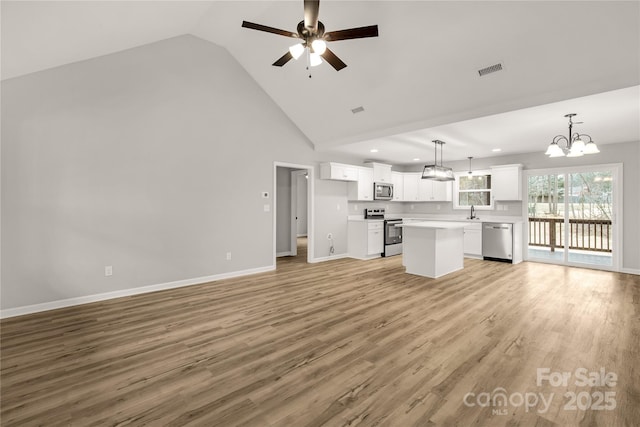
329	236
228	256
267	208
108	270
412	206
338	206
355	207
438	207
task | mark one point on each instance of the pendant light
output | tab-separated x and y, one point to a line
435	172
470	171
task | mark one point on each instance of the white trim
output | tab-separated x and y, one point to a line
294	208
286	253
329	258
456	187
630	271
310	204
52	305
617	220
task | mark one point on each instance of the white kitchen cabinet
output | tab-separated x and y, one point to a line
506	182
442	191
375	238
338	171
434	191
381	172
365	239
425	189
397	179
362	189
473	240
410	186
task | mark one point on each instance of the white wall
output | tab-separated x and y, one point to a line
151	160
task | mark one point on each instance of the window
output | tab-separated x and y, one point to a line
472	189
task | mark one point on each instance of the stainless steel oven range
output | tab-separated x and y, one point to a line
392	237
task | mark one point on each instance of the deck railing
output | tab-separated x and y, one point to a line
584	234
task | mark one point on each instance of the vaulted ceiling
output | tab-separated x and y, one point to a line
417	81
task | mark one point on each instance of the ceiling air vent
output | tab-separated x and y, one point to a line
489	70
357	110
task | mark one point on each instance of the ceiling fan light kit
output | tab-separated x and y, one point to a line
437	172
574	145
296	50
314	38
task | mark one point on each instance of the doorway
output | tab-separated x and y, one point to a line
293	216
573	216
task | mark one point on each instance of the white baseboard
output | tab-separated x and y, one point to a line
45	306
328	258
287	253
630	271
365	258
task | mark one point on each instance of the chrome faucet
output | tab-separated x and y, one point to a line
473	213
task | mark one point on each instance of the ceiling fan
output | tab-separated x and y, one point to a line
313	37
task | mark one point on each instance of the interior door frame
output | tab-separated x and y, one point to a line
310	206
294	208
616	220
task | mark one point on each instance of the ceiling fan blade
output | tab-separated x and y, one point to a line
332	59
283	59
352	33
311	9
272	30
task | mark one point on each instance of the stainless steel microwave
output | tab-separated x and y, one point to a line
382	191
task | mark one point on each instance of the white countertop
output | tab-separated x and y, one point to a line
446	218
455	218
435	224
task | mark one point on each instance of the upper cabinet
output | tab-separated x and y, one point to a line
506	182
381	172
434	191
407	186
425	190
338	171
397	179
410	184
362	189
442	191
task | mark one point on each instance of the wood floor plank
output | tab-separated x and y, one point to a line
340	343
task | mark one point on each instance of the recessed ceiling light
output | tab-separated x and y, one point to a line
416	159
374	150
495	150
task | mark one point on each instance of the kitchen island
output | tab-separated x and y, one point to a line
433	248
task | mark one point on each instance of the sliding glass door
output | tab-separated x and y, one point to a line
546	217
571	216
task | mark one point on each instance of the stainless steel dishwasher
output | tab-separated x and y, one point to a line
497	241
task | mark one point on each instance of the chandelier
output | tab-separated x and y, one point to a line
574	145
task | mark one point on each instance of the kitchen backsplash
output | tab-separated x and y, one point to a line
442	208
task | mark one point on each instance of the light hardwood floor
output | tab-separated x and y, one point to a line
340	343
